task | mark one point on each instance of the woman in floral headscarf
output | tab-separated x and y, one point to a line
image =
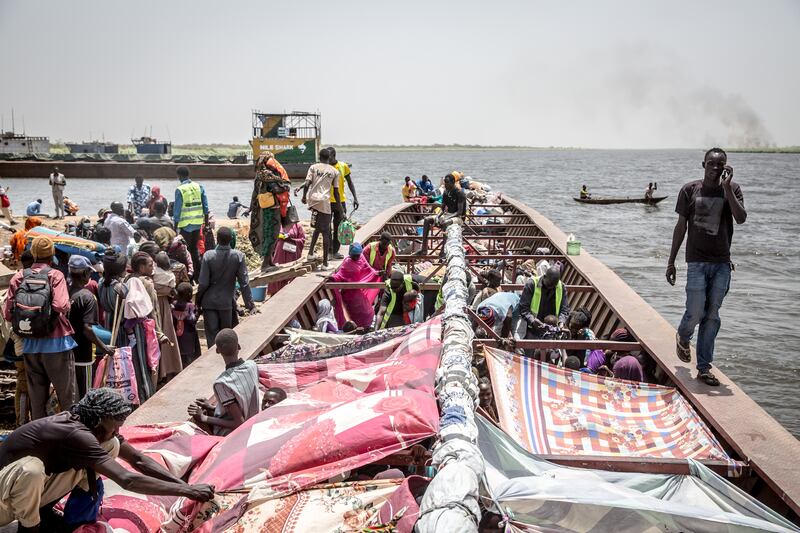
270	188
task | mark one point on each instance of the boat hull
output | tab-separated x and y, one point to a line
122	170
765	449
610	201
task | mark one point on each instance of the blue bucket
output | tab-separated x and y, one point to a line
259	293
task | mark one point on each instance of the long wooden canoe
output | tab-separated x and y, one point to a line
766	451
599	200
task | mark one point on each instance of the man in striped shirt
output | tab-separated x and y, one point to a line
235	390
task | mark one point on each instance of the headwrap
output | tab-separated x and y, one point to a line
32	222
113	263
621	335
487	315
99	404
150	248
164	237
628	368
19	240
325	315
355	249
42	248
596	359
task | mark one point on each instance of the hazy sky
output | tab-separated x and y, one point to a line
592	74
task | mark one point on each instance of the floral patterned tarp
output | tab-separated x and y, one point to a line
346	419
551	410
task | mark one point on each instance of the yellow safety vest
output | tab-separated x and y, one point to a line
537	296
373	253
191	205
389	308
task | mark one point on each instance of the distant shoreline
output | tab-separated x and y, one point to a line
236	149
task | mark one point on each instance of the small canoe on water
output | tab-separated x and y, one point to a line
607	201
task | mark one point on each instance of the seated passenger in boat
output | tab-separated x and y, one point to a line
390	312
572	363
409	190
487	399
235	390
585	193
543	296
597	363
413	308
629	368
425	185
492	279
454	205
273	396
326	321
578	325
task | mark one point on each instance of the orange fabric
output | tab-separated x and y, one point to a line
32	222
275	166
20	238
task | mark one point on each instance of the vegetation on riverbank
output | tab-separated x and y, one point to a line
230	150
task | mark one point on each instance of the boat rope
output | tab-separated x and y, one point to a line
455	487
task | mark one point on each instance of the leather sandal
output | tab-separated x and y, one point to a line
708	378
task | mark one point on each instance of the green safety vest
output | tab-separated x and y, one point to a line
389	308
191	206
537	296
373	252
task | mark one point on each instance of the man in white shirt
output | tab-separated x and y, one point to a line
57	183
321	181
121	231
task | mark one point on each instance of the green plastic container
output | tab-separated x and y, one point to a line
573	247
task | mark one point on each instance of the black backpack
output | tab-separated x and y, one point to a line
32	316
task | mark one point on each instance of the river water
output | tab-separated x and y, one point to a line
757	345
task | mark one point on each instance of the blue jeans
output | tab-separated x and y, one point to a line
706	286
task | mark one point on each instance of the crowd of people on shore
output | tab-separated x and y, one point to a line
105	326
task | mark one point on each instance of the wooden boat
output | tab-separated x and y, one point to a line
765	452
599	200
